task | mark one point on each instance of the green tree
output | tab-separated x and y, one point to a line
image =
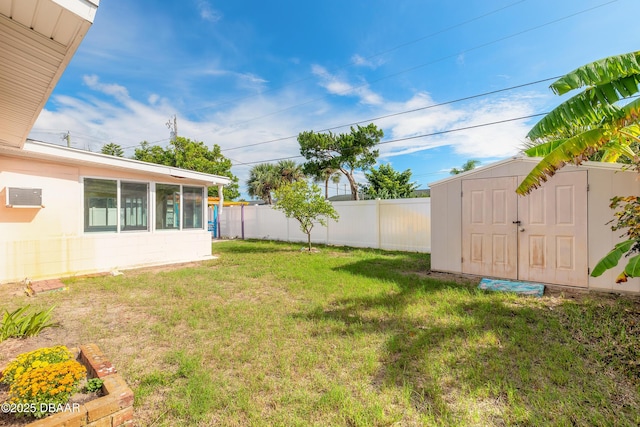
290	171
112	149
344	152
306	204
594	119
597	121
467	166
192	155
326	175
387	183
264	178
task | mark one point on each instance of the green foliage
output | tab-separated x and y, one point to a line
326	175
387	183
628	217
590	121
265	178
343	152
306	204
467	166
112	149
93	385
594	124
192	155
20	323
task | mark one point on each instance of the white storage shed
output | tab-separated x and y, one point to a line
555	235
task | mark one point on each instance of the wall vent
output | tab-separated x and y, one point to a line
24	197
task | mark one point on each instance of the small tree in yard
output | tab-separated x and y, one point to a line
306	204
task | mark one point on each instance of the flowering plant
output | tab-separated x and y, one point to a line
43	379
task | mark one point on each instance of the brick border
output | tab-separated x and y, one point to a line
114	409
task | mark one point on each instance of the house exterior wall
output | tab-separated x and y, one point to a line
41	243
604	183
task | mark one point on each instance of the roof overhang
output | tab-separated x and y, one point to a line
38	38
524	159
72	156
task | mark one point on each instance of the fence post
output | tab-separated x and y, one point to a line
242	220
378	222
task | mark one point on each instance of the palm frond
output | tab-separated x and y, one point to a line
599	72
575	149
543	149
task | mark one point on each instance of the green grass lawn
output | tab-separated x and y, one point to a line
270	335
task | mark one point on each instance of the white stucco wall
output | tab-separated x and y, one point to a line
48	242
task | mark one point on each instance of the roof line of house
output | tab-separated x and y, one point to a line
45	151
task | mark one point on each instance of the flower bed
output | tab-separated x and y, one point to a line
114	408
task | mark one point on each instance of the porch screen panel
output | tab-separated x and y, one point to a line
100	205
192	198
134	201
167	207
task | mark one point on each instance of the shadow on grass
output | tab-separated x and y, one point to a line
461	351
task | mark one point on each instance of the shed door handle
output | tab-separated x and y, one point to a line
517	222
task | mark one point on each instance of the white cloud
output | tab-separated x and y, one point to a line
115	90
207	12
361	61
336	85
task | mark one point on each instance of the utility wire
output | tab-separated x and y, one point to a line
443	132
440	104
384	52
477	47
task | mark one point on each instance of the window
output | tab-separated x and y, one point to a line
192	210
100	205
133	206
167	207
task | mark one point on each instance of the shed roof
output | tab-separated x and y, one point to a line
522	159
37	41
65	155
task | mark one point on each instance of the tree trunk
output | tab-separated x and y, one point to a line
326	188
309	240
353	185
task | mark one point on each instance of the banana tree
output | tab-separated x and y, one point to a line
597	121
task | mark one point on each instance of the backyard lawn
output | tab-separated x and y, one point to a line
270	335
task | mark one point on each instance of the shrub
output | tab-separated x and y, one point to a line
43	379
18	323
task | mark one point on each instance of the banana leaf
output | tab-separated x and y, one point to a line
613	257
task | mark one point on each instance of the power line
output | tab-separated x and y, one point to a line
417	136
389	50
477	47
440	104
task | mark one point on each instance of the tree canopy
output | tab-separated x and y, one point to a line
306	204
387	183
595	119
344	152
112	149
467	166
265	178
192	155
598	120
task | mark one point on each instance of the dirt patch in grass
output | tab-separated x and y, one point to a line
267	335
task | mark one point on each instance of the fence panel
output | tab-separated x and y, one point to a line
398	224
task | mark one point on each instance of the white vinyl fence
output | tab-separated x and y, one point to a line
398	224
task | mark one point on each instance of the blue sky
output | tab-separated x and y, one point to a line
246	72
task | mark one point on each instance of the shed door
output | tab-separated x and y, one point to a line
548	245
489	237
553	236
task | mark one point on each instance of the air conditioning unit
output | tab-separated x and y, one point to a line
24	197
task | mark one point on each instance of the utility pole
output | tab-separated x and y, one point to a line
67	137
173	127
